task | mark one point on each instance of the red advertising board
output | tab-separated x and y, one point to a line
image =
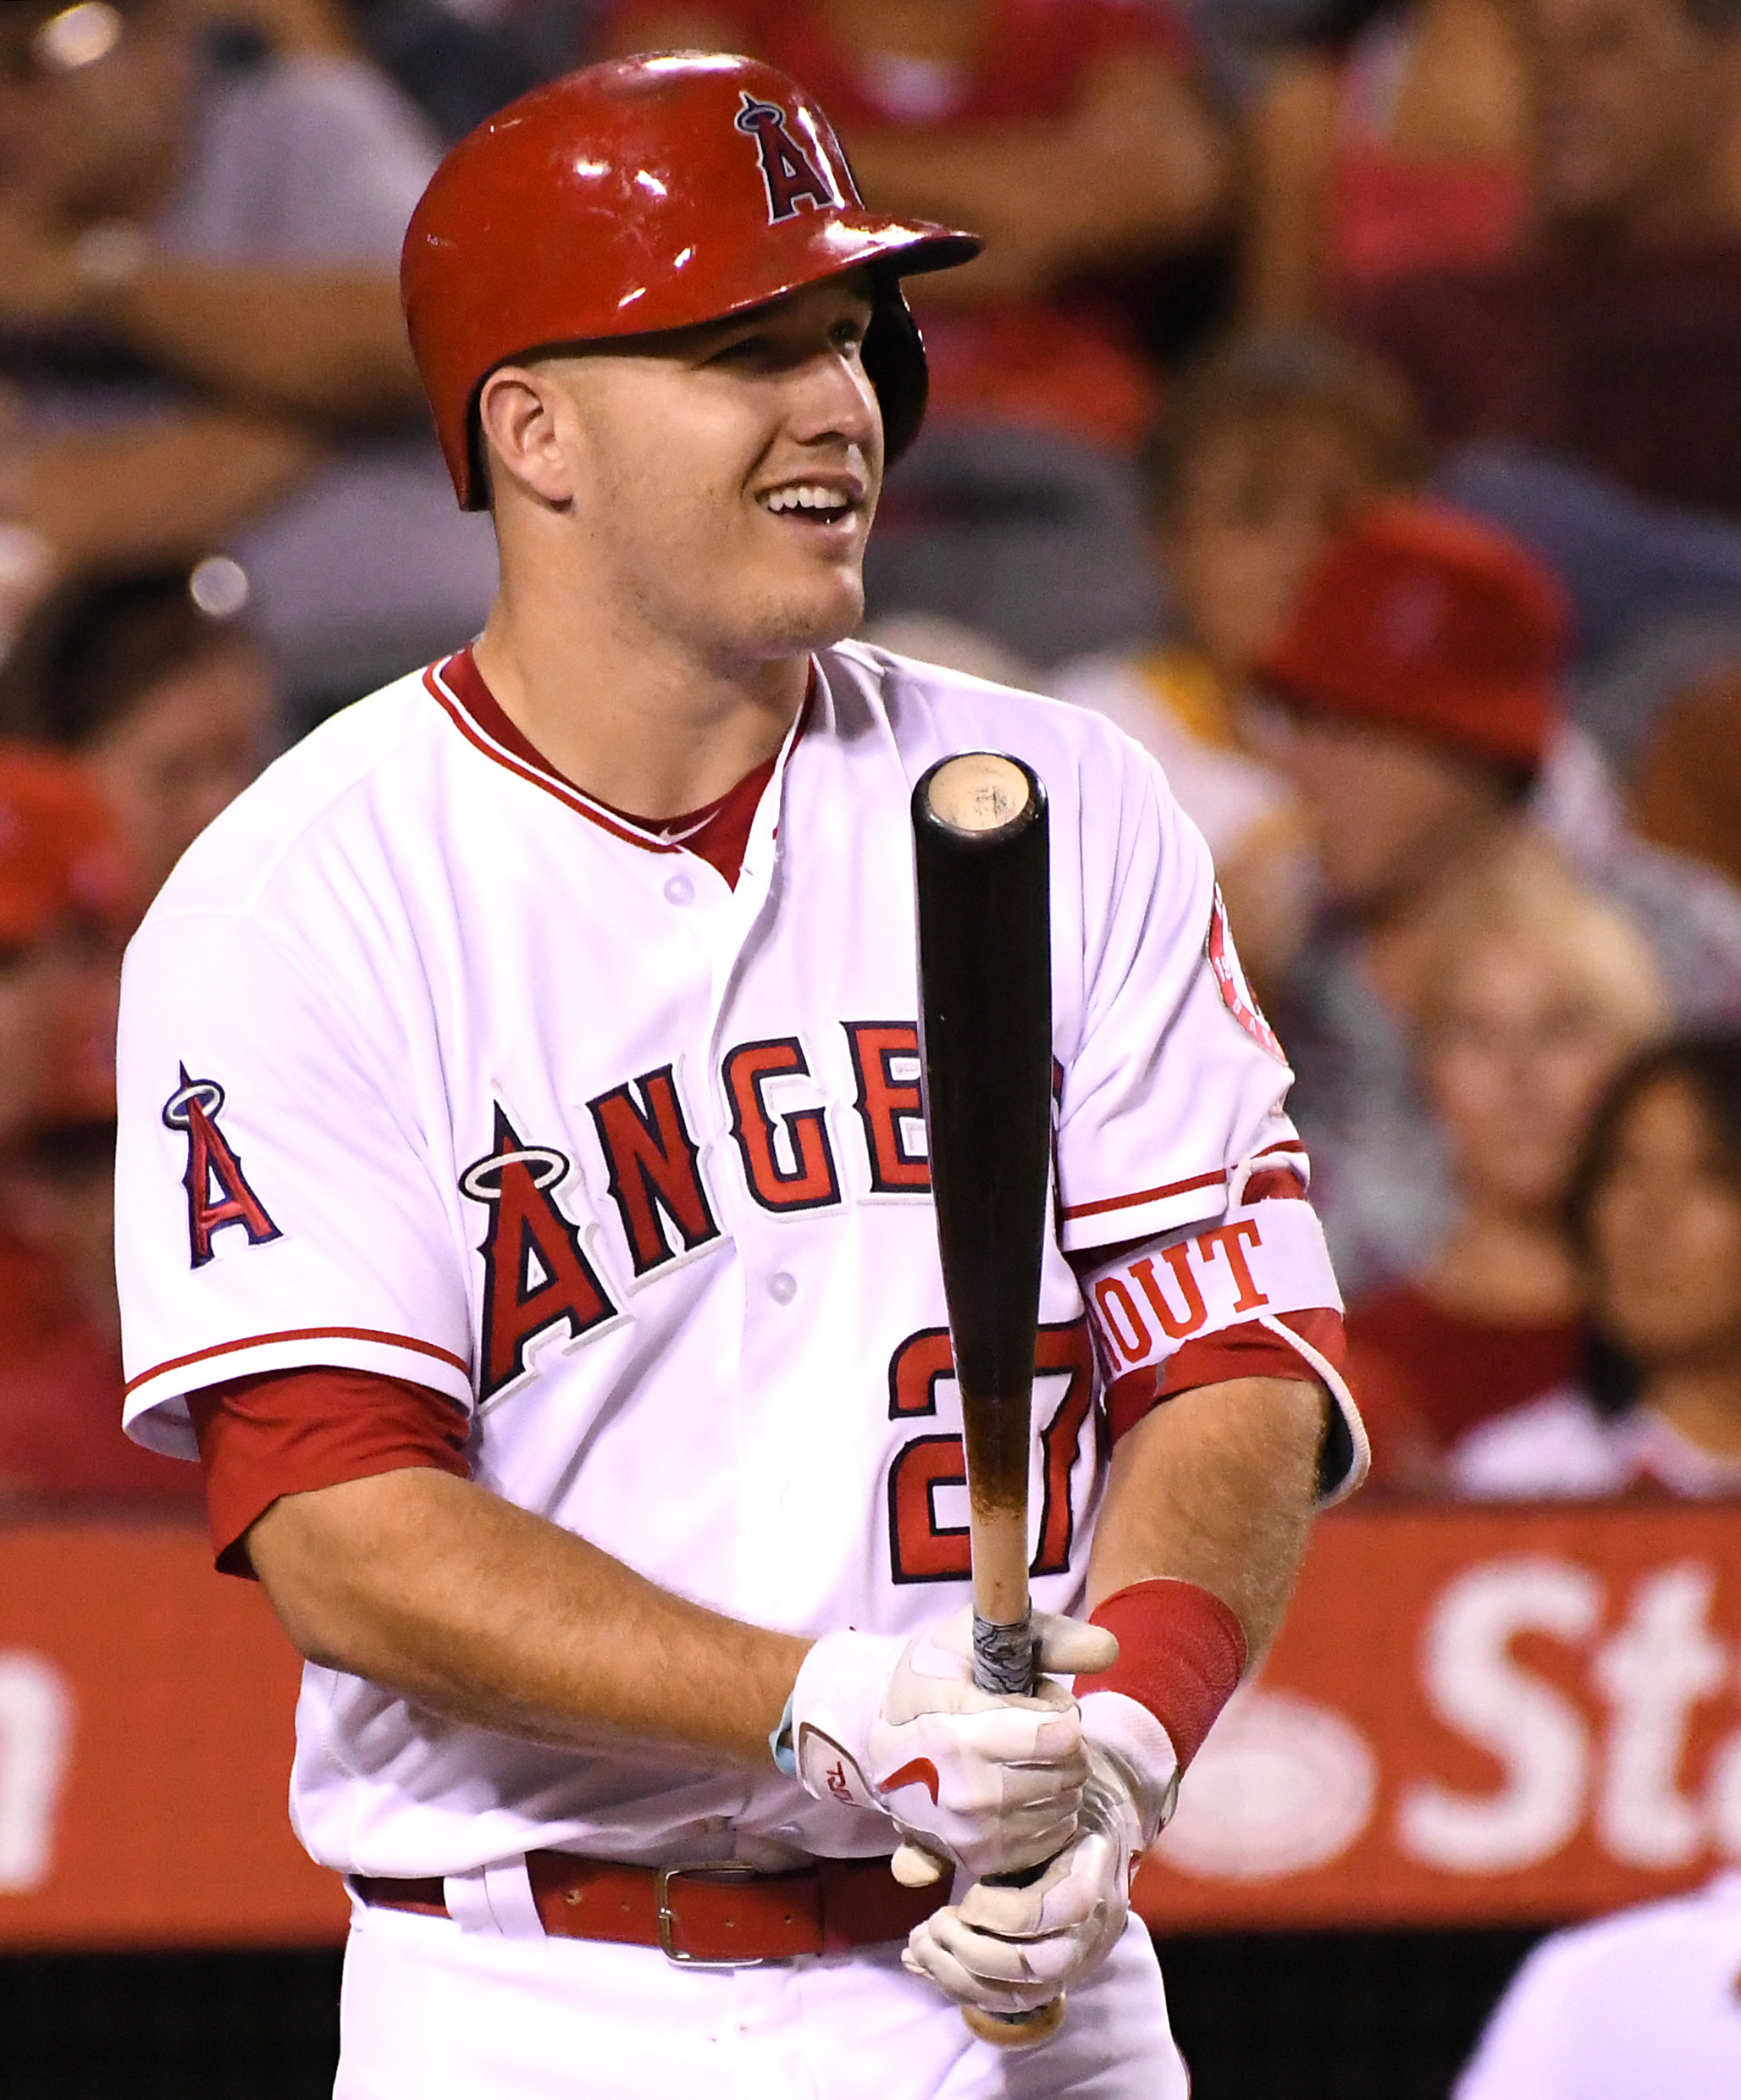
1475	1716
1472	1717
145	1709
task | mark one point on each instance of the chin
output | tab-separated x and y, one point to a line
797	622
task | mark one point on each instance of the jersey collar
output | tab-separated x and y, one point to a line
719	834
457	685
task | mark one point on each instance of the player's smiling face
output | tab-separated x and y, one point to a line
724	478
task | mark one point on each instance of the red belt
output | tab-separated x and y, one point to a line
717	1913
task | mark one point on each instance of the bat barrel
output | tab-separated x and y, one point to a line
981	858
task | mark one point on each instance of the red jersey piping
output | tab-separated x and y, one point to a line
303	1333
540	776
1217	1180
458	688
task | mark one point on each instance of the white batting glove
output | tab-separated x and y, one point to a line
993	1783
1008	1950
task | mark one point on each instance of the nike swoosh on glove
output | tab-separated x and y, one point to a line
1008	1950
990	1782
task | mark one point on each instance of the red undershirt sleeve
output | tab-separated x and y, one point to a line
290	1432
1246	1350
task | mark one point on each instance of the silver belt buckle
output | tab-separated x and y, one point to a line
716	1870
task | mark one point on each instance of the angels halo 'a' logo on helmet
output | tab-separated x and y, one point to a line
789	174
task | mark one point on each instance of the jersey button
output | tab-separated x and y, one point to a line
782	1288
680	890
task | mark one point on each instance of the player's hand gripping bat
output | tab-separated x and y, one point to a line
985	977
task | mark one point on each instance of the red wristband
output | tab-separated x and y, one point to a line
1181	1654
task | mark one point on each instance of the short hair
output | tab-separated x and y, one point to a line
95	647
1706	1061
1528	895
1313	372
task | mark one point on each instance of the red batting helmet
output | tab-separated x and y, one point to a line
652	193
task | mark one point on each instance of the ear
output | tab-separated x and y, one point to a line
529	429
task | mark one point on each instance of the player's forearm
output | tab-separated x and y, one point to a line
327	342
488	1614
1216	1487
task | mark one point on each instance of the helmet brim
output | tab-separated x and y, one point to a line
845	243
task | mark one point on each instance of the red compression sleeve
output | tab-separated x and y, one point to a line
1181	1654
290	1432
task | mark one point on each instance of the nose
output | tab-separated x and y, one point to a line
834	398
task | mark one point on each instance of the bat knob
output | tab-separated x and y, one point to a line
977	792
1016	2030
914	1867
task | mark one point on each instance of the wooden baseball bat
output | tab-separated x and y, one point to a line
979	843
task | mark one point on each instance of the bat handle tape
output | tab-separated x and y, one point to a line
1005	1656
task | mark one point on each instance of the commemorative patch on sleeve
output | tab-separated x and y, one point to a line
1236	995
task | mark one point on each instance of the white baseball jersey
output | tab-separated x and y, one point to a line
431	1067
1643	2005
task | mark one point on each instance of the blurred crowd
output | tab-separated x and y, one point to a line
1340	405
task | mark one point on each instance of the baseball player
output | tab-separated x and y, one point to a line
525	1213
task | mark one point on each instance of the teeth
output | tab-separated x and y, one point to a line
805	496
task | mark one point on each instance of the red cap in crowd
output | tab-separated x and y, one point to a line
1421	619
60	856
59	850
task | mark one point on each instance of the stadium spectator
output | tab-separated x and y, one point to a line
154	680
61	1383
1639	2006
1381	140
1535	991
1655	1216
1589	369
1686	795
199	313
1613	335
1655	591
458	65
65	890
1417	710
1582	384
1262	454
1067	132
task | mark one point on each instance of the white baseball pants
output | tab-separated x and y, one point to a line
431	2012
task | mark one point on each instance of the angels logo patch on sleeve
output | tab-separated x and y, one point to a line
218	1191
